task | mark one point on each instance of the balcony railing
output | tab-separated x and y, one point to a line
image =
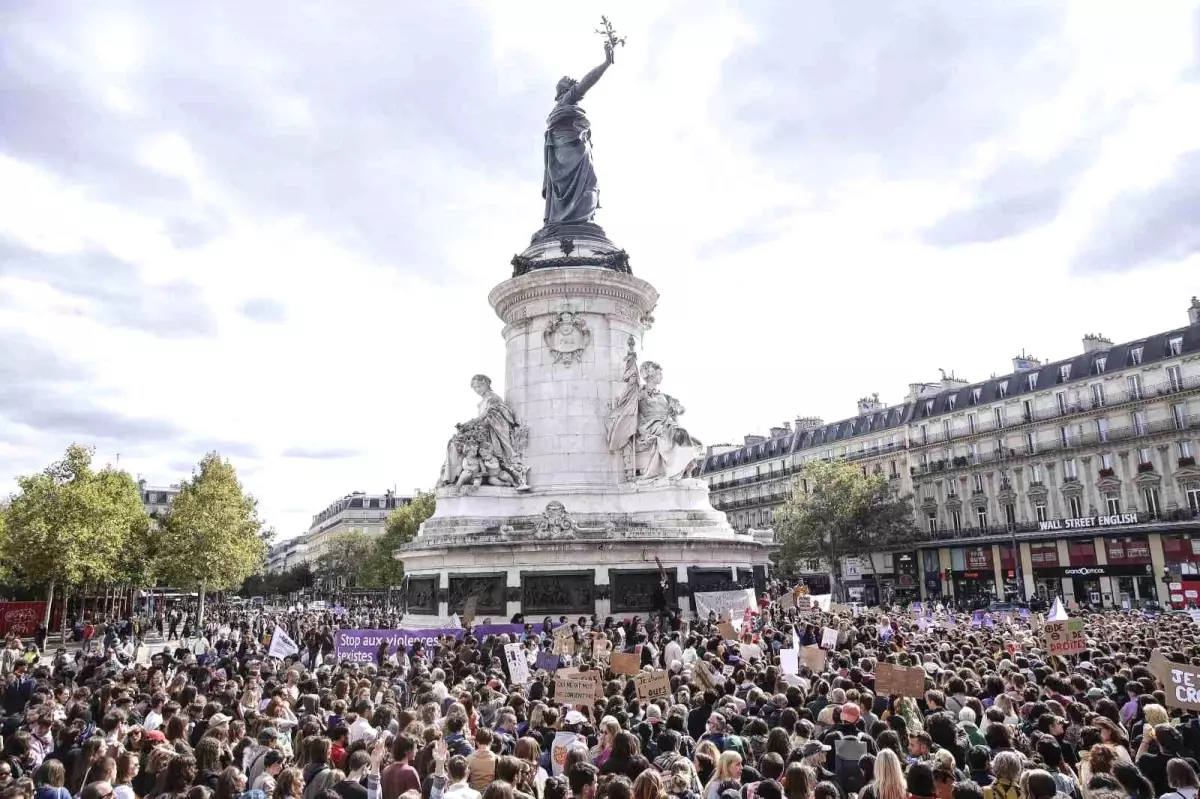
1112	398
1076	441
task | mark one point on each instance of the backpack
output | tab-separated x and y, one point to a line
1002	790
846	754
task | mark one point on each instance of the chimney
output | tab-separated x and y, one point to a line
809	423
1025	363
1194	312
870	404
753	439
786	429
1094	342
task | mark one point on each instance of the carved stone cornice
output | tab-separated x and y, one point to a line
1108	484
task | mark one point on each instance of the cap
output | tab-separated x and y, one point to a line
813	747
574	717
850	713
218	720
156	736
653	714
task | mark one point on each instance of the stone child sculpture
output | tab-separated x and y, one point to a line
490	446
644	425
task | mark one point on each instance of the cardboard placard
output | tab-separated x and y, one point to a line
1181	683
788	661
727	631
829	638
564	641
899	681
652	685
547	661
837	609
574	690
518	666
814	658
468	614
601	649
625	663
727	670
1064	637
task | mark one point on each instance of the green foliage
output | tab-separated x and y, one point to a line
296	578
382	570
844	513
4	572
70	524
212	536
344	557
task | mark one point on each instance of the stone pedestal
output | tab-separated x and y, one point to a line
581	536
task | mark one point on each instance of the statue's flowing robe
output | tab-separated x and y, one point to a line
671	448
569	184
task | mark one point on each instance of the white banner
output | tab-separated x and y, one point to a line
282	644
789	661
518	666
734	603
822	601
829	638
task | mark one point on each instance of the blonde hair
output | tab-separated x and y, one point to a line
609	728
724	769
1155	715
889	777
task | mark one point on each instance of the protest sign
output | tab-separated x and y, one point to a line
547	661
822	601
829	638
788	661
733	602
601	648
652	685
1064	637
282	644
899	681
1181	683
360	646
727	631
468	614
574	690
727	670
564	641
813	657
624	663
838	609
518	666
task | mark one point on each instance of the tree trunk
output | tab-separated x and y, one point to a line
49	604
200	611
62	626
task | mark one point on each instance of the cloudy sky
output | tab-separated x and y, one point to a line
270	228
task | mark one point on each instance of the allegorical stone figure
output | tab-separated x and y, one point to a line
488	448
569	184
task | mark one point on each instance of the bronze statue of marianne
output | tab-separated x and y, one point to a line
569	182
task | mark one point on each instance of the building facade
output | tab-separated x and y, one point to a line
353	513
1075	478
157	499
286	554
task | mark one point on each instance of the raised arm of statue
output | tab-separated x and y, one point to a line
589	80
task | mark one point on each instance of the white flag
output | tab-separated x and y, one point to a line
1058	612
282	644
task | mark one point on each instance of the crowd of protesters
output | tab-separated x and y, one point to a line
213	717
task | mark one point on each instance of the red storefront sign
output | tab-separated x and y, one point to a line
21	618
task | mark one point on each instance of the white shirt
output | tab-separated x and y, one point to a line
152	721
362	730
461	790
672	652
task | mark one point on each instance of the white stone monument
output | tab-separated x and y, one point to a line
573	493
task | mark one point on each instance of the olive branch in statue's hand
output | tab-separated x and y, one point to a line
611	40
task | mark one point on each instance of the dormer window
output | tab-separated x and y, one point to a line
928	407
951	400
1100	363
1175	346
1033	381
1003	389
1135	356
1064	373
975	394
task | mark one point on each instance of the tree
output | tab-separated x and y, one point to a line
343	559
4	573
211	537
382	570
844	513
70	524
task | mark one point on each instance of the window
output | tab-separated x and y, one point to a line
956	521
1035	473
1193	496
951	400
892	469
1004	389
1175	378
946	428
1010	514
973	452
1064	373
975	394
1030	444
1039	510
1144	456
1134	384
1062	401
1135	356
1153	504
1112	502
1186	450
924	434
1139	423
951	488
1102	430
1032	381
1027	410
931	520
978	482
1070	472
1100	362
1098	395
1074	507
928	407
972	423
998	415
1179	414
1106	460
1175	346
981	517
1082	552
1044	553
1064	435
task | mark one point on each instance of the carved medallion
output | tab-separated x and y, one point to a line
567	336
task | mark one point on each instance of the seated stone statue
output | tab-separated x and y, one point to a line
495	427
471	467
493	473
